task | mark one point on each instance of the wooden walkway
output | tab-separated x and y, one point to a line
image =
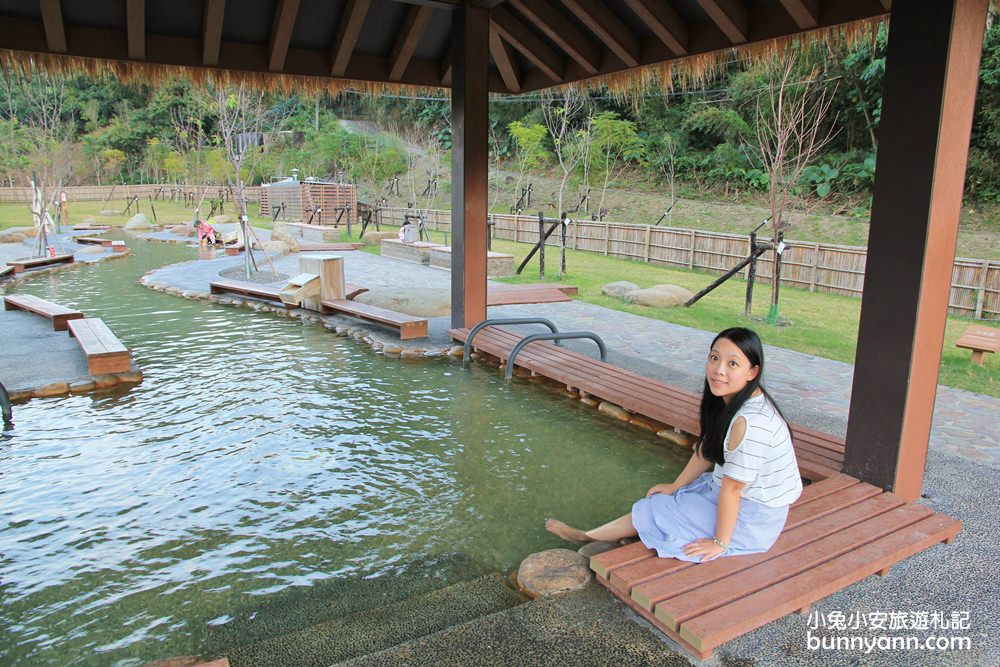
820	455
508	295
838	532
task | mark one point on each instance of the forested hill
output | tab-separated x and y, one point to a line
80	130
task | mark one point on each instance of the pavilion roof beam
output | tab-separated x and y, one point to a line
730	16
530	46
608	28
347	35
52	21
135	29
281	34
407	40
446	69
506	63
805	13
665	23
211	40
547	18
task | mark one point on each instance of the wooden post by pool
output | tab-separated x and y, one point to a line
932	68
469	164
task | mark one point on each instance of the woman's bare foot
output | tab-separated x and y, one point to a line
570	533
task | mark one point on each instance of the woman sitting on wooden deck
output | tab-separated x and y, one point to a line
733	496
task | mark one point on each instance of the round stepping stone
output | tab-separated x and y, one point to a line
591	549
553	571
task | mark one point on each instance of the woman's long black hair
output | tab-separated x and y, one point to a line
716	414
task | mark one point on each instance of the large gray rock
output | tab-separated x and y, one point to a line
11	237
553	571
221	219
659	296
138	222
375	238
277	235
108	213
183	230
618	289
277	246
416	301
89	221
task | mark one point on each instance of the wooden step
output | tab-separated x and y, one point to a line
104	352
59	315
409	327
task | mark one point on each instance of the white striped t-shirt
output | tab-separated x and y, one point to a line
765	459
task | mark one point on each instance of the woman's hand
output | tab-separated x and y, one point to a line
667	489
705	547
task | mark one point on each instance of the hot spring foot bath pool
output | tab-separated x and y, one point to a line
267	475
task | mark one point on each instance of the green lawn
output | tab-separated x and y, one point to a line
825	325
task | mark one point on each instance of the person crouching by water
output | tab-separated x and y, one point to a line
733	495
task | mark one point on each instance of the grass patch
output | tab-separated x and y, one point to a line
825	325
167	213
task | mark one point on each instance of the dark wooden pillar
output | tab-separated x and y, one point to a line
932	67
469	164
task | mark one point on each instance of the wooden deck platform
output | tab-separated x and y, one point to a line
93	240
408	326
22	265
506	295
104	352
267	293
838	532
820	455
328	247
59	315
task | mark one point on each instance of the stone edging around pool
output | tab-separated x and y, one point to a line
393	351
94	383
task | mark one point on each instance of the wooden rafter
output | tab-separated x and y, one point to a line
347	34
52	20
281	34
730	15
446	69
407	40
608	28
547	18
211	36
887	4
805	13
667	24
525	41
135	21
506	63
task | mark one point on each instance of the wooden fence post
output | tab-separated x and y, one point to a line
694	240
607	238
649	234
981	290
815	271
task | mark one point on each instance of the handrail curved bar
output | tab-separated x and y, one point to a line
509	370
5	409
467	351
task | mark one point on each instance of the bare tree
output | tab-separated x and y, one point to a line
791	130
561	110
46	134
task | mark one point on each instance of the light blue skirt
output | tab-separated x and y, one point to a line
667	522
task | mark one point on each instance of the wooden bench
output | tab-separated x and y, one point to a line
6	271
59	315
328	247
980	340
819	455
409	327
838	532
268	293
93	240
104	352
22	265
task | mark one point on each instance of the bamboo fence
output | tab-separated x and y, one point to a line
817	267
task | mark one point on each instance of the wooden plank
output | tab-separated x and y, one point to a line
212	31
281	33
104	352
648	589
608	28
506	63
665	23
799	549
93	240
805	13
135	21
530	46
604	563
406	41
22	265
562	32
730	16
59	314
52	21
6	271
409	326
348	32
753	611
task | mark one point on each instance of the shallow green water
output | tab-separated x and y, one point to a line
261	461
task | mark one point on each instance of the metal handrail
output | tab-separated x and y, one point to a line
509	370
467	351
5	409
